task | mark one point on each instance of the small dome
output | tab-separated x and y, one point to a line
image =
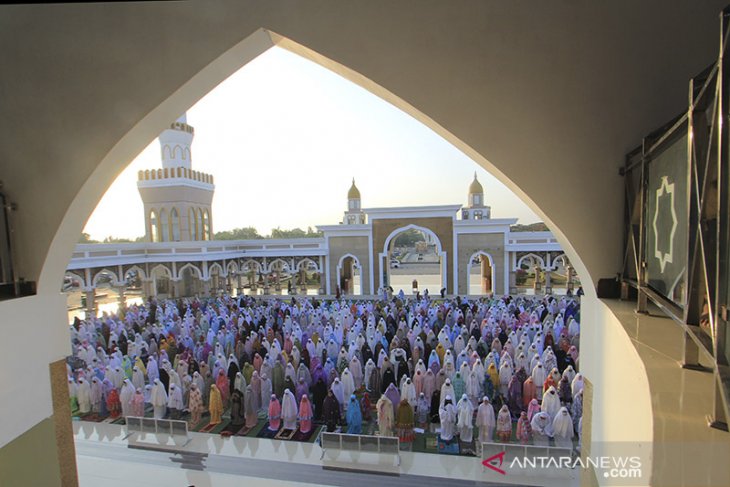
475	187
353	193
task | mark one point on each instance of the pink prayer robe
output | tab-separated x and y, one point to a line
305	415
274	414
528	391
137	404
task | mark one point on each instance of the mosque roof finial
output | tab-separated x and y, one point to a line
475	186
353	193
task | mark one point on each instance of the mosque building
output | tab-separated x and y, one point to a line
355	257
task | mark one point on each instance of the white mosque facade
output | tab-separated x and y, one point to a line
179	257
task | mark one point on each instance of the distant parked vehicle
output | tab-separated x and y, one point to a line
394	264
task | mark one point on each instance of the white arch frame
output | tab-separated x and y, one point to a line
531	256
140	271
307	259
167	270
259	267
469	265
72	273
221	271
383	256
115	282
191	90
357	265
560	257
286	265
189	265
233	264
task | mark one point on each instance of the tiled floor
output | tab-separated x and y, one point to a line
686	451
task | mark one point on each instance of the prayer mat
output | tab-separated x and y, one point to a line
266	432
208	428
448	447
243	431
285	434
467	448
232	429
96	418
431	443
306	437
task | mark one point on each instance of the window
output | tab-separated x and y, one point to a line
192	224
164	226
154	231
477	215
206	226
199	225
175	225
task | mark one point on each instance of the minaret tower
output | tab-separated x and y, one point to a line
177	200
476	210
354	214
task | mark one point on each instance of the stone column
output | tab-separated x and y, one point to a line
175	285
512	282
569	277
548	282
206	288
90	296
537	286
121	298
266	284
147	287
239	284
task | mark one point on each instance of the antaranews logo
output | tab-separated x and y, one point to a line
498	457
619	467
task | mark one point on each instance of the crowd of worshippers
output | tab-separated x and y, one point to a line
443	366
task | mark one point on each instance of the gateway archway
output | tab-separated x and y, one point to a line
188	94
413	259
480	272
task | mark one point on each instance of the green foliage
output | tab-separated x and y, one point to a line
86	238
246	233
409	238
294	233
111	239
532	227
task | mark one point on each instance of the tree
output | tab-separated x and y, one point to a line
293	233
86	238
111	239
245	233
531	227
409	238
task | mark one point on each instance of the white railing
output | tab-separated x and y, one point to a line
532	241
360	443
172	427
104	255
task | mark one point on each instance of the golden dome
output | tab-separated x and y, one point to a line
353	193
475	186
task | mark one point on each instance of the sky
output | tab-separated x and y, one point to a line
284	137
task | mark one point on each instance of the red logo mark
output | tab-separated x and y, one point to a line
500	457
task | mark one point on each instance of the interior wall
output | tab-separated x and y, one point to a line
547	96
621	413
543	95
35	334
